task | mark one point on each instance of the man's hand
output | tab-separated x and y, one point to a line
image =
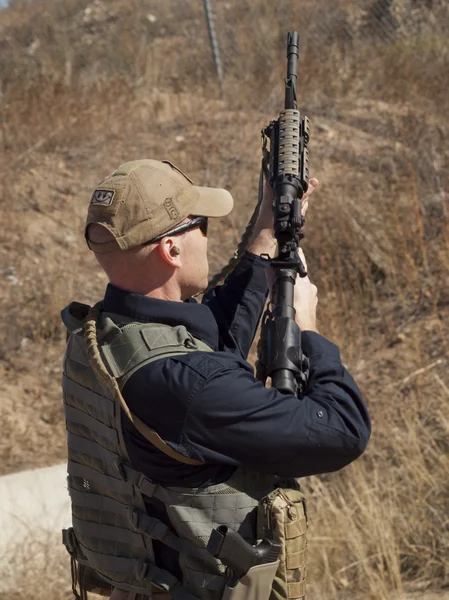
305	300
263	240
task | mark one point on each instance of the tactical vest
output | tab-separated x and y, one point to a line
111	535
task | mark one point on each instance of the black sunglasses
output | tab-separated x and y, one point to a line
200	222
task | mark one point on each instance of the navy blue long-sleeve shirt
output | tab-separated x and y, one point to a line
208	406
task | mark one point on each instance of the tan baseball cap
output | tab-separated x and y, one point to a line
144	198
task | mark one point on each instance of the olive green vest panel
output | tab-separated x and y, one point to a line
111	530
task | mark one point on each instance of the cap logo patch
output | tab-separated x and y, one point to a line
102	197
171	209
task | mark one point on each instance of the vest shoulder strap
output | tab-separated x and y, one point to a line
74	315
135	345
116	351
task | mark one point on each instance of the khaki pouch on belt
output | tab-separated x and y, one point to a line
282	517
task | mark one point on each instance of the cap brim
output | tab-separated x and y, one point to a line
213	202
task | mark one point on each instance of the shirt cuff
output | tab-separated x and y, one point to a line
314	344
256	282
255	258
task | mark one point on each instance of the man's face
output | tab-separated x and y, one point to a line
194	274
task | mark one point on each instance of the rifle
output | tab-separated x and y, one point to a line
286	167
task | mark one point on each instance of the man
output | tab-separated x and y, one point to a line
167	428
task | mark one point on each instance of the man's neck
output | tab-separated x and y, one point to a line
168	291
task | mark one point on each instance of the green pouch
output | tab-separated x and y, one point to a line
282	518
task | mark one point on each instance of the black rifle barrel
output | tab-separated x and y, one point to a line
292	54
292	69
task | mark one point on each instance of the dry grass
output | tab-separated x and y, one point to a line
88	85
37	570
389	512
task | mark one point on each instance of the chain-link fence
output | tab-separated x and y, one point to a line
345	22
91	38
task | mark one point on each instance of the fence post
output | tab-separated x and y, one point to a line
213	39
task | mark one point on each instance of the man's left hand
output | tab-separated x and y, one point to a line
263	241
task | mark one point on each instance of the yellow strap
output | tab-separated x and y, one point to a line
295	528
97	365
296	560
154	438
296	590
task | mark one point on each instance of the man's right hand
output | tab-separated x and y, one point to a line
305	300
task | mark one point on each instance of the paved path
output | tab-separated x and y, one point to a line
33	505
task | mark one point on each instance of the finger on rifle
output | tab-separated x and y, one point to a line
268	191
269	275
313	184
302	257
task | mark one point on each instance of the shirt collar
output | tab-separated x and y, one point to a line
196	318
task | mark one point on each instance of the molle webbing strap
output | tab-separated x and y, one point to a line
295	528
150	526
148	574
157	530
88	396
120	485
110	484
140	522
296	560
110	533
89	447
81	418
297	590
97	364
97	502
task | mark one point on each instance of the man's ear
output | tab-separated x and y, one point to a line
170	252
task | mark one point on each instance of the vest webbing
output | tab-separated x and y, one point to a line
112	531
